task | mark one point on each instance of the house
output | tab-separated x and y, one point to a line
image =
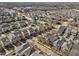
22	35
23	50
15	35
5	41
71	37
9	47
75	22
61	30
23	23
35	28
14	25
31	30
6	27
51	39
66	46
2	51
59	44
61	40
76	41
18	34
55	44
12	37
26	33
73	32
67	32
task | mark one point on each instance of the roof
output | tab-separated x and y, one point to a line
61	29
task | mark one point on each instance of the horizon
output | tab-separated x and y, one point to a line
39	0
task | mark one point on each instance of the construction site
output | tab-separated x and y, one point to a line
39	29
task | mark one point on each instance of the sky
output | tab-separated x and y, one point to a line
39	0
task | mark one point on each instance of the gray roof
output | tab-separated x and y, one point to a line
51	39
23	49
67	32
61	30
